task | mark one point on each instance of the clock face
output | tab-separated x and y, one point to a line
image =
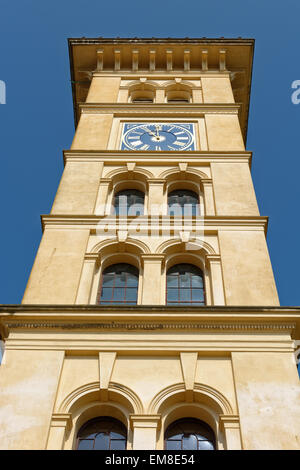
158	136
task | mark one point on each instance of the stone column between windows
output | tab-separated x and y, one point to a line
86	279
209	202
145	431
160	96
152	280
217	290
60	423
100	208
157	205
230	424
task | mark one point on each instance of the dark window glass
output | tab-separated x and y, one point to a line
142	100
189	434
179	100
183	202
102	434
185	285
119	285
129	202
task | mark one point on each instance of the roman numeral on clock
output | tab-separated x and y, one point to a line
181	144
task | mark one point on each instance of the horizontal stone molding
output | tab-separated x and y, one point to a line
205	223
131	326
189	109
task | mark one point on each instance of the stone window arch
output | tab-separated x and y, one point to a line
141	93
178	93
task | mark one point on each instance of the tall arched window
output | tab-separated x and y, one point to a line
129	202
119	285
185	285
189	434
183	202
103	433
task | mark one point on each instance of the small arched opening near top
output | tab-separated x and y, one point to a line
178	93
141	93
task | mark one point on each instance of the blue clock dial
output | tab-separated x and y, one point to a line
158	136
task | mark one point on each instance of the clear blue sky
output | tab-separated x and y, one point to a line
37	121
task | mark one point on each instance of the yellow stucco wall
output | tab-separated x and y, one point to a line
57	267
104	90
223	132
28	386
248	276
92	132
268	395
217	90
78	188
233	189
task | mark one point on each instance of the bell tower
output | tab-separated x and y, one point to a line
151	310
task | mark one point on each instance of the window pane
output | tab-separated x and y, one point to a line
129	202
185	295
116	435
120	279
136	209
183	202
184	280
190	291
189	442
172	281
119	294
172	295
86	444
131	280
173	445
106	294
108	280
102	441
175	210
195	435
131	294
118	444
205	445
105	430
197	295
197	281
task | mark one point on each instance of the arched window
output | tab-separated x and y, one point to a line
129	202
185	285
119	285
189	434
103	433
142	93
183	202
178	93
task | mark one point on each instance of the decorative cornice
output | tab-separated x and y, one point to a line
149	317
163	223
124	156
148	326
